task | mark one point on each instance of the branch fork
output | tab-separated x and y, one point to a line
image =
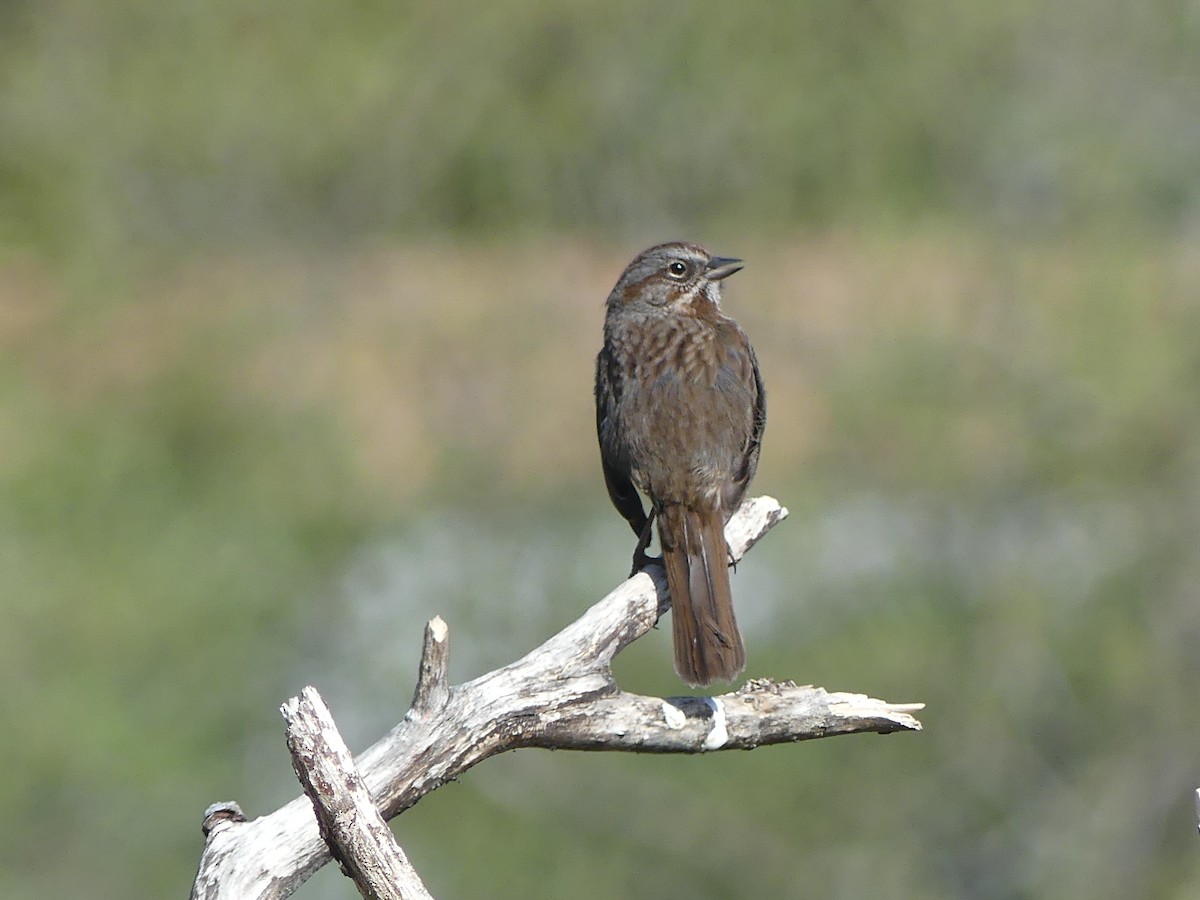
561	695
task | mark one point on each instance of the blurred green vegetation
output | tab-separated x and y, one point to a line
136	127
297	311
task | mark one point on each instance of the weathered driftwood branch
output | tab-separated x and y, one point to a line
352	827
561	695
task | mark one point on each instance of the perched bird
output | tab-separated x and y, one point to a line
680	410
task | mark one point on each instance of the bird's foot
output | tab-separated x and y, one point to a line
641	559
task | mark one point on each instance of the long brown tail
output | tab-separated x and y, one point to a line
708	645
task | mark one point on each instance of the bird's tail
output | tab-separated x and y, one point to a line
708	645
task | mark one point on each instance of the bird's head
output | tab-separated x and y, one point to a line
673	277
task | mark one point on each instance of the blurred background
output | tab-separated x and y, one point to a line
298	308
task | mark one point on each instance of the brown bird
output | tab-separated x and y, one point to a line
680	410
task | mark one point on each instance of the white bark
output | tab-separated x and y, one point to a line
352	827
561	695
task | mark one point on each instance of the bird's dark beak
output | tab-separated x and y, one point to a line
721	267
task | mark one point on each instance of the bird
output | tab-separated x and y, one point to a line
680	413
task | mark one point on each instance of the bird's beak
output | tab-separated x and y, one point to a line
721	267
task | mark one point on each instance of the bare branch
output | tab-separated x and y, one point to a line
761	712
218	814
560	695
346	815
432	688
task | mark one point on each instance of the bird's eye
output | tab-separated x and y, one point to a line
677	269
